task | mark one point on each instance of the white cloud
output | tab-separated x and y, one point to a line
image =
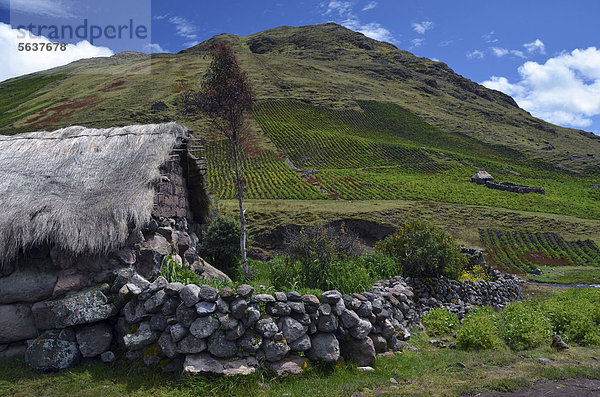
16	63
343	9
155	48
422	27
373	30
489	38
475	54
499	52
417	42
565	90
518	53
50	8
370	6
184	27
535	46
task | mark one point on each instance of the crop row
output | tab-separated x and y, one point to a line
322	138
265	176
520	250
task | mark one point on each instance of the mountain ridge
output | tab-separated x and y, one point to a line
326	65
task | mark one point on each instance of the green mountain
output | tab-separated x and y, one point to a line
340	116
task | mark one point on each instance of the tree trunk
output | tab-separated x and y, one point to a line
240	194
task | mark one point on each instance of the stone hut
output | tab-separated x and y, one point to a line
80	203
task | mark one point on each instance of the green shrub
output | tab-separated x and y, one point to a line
424	250
348	275
440	322
285	273
525	326
316	248
479	330
174	272
381	266
575	315
220	243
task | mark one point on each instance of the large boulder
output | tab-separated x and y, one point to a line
290	366
27	285
16	323
81	308
13	351
94	339
361	351
219	346
481	177
53	350
150	255
202	364
324	347
208	271
243	366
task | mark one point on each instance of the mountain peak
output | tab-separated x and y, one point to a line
327	37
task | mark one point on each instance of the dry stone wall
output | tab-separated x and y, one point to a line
46	280
201	330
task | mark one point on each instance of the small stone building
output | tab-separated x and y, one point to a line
79	203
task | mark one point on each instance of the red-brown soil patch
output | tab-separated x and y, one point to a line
141	67
541	259
312	180
251	147
348	179
61	112
117	85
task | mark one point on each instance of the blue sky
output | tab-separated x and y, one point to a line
546	54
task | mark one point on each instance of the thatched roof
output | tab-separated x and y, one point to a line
79	188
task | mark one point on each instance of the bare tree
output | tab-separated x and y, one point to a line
227	97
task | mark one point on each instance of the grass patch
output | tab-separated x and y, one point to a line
429	372
568	275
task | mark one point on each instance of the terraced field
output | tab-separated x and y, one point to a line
385	152
523	251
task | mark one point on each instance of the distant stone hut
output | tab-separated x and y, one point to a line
79	203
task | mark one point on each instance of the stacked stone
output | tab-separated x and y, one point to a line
70	329
205	331
46	275
201	330
461	297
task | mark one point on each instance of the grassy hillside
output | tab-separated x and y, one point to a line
325	65
339	116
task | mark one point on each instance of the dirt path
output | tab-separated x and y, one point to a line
580	387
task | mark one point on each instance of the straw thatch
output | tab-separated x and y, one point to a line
79	188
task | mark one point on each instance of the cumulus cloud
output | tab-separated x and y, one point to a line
475	54
155	48
370	6
184	27
535	46
16	63
342	11
565	90
373	30
422	27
